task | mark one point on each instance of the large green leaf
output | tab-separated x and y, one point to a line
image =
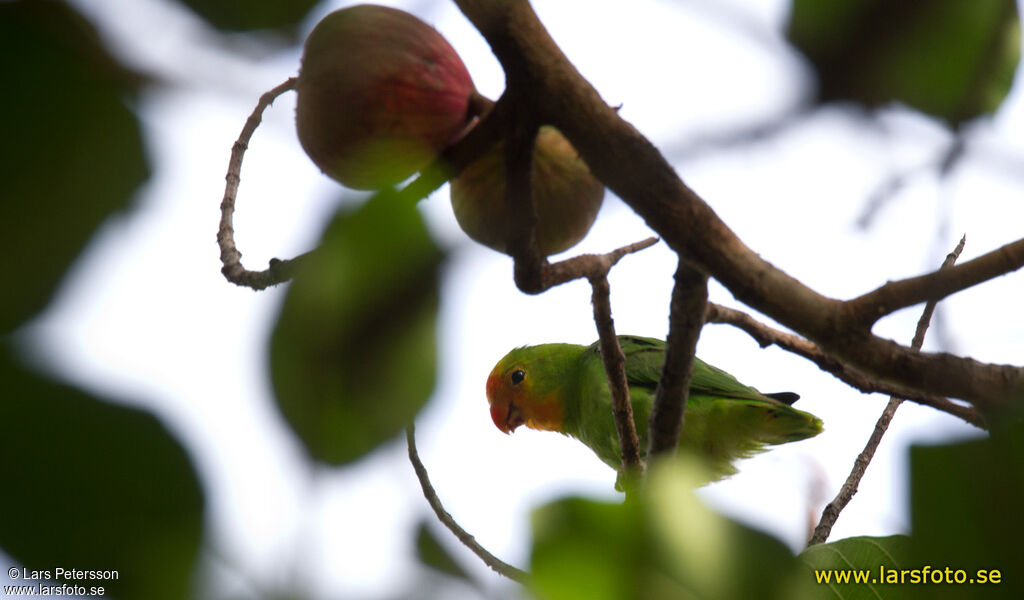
665	544
966	501
353	351
71	149
859	567
953	59
93	486
246	15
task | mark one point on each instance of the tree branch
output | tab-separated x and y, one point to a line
468	540
766	336
937	285
860	465
633	168
230	257
686	318
474	142
615	370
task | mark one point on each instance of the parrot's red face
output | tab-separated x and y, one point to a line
513	401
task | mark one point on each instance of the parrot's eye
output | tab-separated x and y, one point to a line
517	376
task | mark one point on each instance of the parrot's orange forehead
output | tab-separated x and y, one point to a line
493	382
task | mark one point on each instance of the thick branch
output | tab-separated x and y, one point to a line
860	465
468	540
520	203
634	169
937	285
686	318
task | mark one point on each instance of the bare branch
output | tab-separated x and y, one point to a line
230	257
860	465
767	336
583	266
474	142
468	540
520	202
635	170
686	318
615	370
937	285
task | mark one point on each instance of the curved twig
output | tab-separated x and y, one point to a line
279	270
474	142
468	540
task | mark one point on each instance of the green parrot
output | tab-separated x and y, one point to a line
563	388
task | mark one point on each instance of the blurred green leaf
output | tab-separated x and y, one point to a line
248	15
863	554
588	549
95	486
666	545
952	59
353	352
433	554
71	149
966	499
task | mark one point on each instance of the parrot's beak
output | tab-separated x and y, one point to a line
506	416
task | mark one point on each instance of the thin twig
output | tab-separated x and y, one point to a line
615	370
500	566
860	465
231	258
767	336
686	317
473	143
583	266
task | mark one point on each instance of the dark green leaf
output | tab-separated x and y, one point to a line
353	352
966	500
248	15
952	59
432	553
94	486
71	149
859	567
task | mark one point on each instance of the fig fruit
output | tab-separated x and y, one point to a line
566	196
380	93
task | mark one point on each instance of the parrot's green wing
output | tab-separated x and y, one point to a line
725	420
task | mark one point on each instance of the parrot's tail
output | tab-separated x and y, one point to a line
786	424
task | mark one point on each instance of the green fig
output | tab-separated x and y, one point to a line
566	196
380	94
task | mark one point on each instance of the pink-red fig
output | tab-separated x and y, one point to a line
380	93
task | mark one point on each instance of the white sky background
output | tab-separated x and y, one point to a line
146	314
